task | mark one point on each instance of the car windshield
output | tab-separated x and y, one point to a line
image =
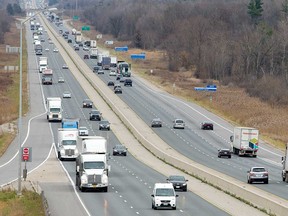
164	192
176	178
104	122
87	101
94	112
258	169
54	110
82	128
94	165
179	121
69	142
119	147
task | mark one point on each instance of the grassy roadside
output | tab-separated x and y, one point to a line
30	203
9	90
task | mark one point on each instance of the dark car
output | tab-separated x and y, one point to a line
179	182
110	83
156	122
86	56
80	44
95	115
224	153
69	40
104	125
76	48
96	68
120	150
119	76
118	90
128	82
207	126
87	103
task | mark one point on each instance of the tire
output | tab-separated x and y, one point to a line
185	189
59	156
76	182
105	189
153	206
254	156
174	208
125	154
266	182
229	156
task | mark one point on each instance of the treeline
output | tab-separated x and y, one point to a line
241	42
5	22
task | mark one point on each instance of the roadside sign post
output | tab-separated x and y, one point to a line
208	88
26	156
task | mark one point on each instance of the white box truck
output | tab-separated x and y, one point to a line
285	165
43	63
93	44
245	141
54	109
67	143
113	63
93	53
94	144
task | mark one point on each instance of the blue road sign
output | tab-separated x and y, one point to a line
210	88
138	56
121	49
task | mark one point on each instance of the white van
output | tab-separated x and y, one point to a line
164	196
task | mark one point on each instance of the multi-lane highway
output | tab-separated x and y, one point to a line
130	182
201	146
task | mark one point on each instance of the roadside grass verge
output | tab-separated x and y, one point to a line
29	204
9	85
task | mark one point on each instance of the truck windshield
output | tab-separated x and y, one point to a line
69	142
94	165
55	110
164	192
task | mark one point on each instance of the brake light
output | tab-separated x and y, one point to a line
265	174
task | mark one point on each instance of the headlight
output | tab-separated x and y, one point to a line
59	115
62	151
184	184
76	151
104	179
84	179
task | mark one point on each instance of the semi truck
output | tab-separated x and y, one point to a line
285	165
38	49
90	172
106	61
93	43
47	77
54	109
124	68
78	37
245	141
43	63
67	143
93	53
113	63
70	123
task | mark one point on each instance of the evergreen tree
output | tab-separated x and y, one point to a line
255	10
285	9
10	10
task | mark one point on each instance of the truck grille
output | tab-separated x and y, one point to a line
94	179
69	152
55	116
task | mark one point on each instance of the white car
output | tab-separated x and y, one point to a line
112	73
85	48
55	50
83	131
179	124
163	196
47	49
65	66
66	94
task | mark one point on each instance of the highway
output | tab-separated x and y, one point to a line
130	182
201	146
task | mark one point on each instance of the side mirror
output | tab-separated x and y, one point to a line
282	158
187	180
177	195
152	195
231	138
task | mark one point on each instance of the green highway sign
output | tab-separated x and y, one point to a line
75	18
85	28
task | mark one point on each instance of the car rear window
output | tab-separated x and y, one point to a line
259	170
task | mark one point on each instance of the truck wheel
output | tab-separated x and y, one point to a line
105	189
286	177
59	156
254	156
174	208
266	182
77	181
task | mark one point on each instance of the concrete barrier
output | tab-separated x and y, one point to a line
259	198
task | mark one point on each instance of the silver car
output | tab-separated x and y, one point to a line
178	124
259	174
66	94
